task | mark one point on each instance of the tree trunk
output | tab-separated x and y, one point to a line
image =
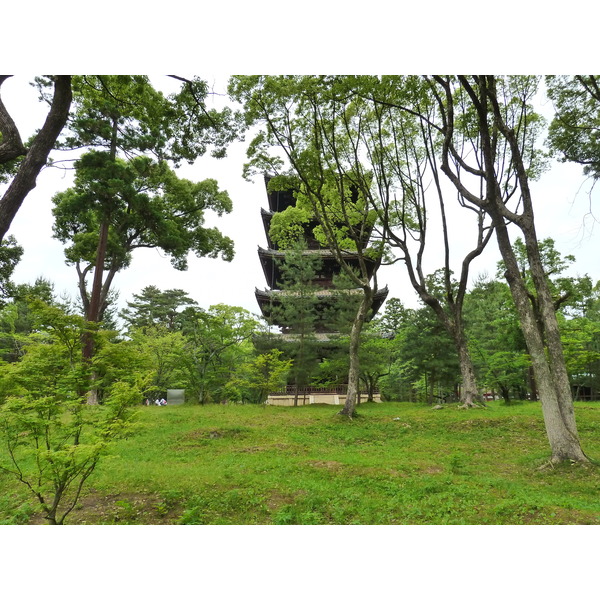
533	394
354	370
469	393
37	155
547	362
93	314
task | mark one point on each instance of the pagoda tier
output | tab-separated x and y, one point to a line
271	259
325	300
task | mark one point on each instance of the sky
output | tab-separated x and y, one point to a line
561	197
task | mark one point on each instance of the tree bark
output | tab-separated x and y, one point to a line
469	392
37	155
96	296
549	371
11	146
354	370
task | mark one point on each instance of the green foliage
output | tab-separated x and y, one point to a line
17	318
425	359
153	308
126	195
568	293
10	255
52	439
217	344
174	128
264	373
497	344
303	118
573	133
147	205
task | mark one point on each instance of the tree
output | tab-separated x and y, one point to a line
160	358
296	309
21	163
390	159
376	357
126	115
143	205
494	116
428	356
10	255
153	307
265	372
299	118
217	346
403	183
18	318
497	344
568	293
54	441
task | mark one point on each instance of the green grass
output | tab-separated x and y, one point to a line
393	464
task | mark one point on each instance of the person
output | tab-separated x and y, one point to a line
163	402
157	402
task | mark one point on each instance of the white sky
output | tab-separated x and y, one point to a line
561	200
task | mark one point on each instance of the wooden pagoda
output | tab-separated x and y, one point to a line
268	299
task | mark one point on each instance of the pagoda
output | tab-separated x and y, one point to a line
271	259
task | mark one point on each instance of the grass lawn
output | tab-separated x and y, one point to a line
396	463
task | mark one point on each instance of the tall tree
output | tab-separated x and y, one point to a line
296	309
412	203
127	115
134	204
495	115
390	159
125	190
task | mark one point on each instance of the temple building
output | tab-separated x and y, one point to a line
326	301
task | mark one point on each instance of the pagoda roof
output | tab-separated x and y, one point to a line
271	260
268	298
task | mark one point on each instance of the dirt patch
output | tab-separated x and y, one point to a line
266	448
433	470
252	449
277	499
214	434
330	465
119	509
